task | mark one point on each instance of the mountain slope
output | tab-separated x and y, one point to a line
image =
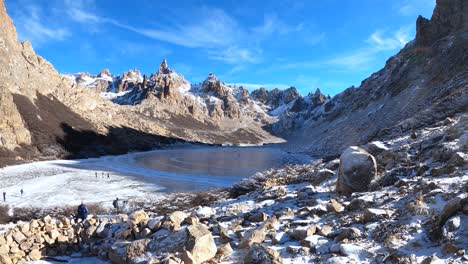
425	82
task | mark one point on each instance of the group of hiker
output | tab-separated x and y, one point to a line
102	175
4	194
82	212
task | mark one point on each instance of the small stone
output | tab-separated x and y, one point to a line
372	214
260	254
280	238
324	230
35	254
251	237
18	237
154	224
302	233
191	220
334	206
298	250
258	217
449	248
224	250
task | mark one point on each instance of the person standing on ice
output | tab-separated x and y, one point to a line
95	173
21	191
4	196
108	177
82	212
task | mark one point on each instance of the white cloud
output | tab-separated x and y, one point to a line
377	42
31	24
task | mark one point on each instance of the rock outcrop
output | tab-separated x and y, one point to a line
449	16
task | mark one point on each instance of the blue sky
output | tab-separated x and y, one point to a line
331	44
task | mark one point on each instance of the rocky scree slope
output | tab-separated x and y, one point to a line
44	115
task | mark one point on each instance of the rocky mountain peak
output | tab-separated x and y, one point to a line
163	68
449	16
104	72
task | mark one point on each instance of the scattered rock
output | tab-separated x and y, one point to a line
260	254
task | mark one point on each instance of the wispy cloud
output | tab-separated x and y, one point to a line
254	86
377	42
216	32
31	23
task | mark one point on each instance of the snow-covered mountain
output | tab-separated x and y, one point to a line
212	97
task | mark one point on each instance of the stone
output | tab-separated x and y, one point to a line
357	170
174	220
348	233
224	250
123	251
449	248
138	217
260	254
301	233
280	238
372	214
431	259
191	220
154	224
258	217
334	206
298	250
205	212
4	249
5	259
451	208
251	237
18	237
357	252
324	230
197	241
35	254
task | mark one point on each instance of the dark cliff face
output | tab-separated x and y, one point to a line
449	16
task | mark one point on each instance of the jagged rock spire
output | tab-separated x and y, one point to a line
449	16
163	68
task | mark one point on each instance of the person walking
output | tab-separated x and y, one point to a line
115	203
95	173
82	212
4	196
108	177
21	191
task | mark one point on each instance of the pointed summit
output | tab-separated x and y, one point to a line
163	69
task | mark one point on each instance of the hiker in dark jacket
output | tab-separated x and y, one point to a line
4	196
115	203
82	212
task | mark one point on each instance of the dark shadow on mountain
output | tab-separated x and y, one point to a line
58	132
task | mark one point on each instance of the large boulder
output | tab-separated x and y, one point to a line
195	242
357	170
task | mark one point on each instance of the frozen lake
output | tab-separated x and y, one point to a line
144	175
